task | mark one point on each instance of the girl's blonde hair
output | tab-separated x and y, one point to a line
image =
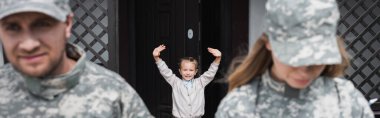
259	60
190	59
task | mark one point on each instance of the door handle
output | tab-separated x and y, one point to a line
190	33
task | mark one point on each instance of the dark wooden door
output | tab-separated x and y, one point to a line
145	24
174	23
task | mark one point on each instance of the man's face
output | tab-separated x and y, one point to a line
34	43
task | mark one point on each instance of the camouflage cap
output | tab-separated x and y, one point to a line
58	9
303	32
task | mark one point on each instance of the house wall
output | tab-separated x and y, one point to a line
256	19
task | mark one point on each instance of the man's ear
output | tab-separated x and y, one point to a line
179	70
196	71
69	24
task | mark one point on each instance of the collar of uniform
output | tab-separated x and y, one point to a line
285	89
51	87
271	83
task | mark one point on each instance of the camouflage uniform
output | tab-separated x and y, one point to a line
87	91
324	98
301	33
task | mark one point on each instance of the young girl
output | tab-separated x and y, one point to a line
188	93
293	69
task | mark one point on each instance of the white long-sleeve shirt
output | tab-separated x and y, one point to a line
187	104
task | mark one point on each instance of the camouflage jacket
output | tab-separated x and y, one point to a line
324	98
87	91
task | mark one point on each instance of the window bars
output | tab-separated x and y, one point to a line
90	29
360	27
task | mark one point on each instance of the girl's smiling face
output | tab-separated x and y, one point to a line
187	70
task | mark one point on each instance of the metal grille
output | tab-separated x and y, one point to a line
360	27
90	29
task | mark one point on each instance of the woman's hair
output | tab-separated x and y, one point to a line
190	59
259	60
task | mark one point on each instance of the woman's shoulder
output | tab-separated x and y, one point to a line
247	90
239	101
345	86
241	96
343	82
353	101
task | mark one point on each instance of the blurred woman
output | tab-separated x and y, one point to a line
294	69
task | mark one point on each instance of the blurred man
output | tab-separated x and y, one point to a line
49	77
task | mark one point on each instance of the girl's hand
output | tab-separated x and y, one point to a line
215	52
157	50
